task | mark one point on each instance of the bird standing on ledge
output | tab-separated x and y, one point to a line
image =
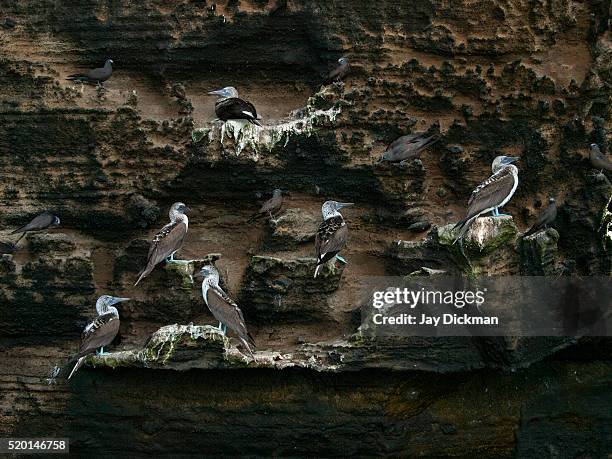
271	206
493	193
98	76
168	240
101	332
598	160
223	308
339	72
332	233
231	107
407	147
38	223
546	217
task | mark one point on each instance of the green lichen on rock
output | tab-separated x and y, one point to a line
486	234
539	252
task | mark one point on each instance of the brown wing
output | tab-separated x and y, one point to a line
490	193
167	241
100	332
227	311
331	238
272	205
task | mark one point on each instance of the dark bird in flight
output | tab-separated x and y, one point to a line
598	160
101	332
271	206
338	73
223	308
332	233
407	147
98	76
546	217
38	223
168	240
493	193
232	107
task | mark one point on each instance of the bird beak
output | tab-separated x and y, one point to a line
187	209
342	205
120	300
218	92
199	275
512	159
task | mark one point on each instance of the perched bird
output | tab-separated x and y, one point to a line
271	206
407	147
168	240
598	160
225	310
332	233
38	223
101	332
491	194
338	73
232	107
546	217
98	76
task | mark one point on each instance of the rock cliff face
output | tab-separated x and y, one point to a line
526	78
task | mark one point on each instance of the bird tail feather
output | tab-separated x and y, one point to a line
247	346
463	226
77	366
144	273
317	271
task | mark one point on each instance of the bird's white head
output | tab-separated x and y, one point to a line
330	208
109	62
502	161
178	211
105	303
209	274
343	61
225	93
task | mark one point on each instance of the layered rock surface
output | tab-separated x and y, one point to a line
524	78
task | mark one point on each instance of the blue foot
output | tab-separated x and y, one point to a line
495	212
101	351
503	215
342	260
222	327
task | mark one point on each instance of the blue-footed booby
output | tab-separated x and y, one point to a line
332	233
271	206
101	332
598	160
491	194
546	217
223	308
407	147
341	70
168	240
38	223
232	107
98	76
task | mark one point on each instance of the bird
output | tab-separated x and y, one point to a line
271	206
332	233
101	331
598	160
98	76
223	308
407	147
546	217
38	223
338	73
493	193
232	107
168	240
